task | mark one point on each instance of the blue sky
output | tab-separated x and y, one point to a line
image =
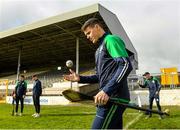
152	25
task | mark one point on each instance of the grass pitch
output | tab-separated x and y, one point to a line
80	116
169	122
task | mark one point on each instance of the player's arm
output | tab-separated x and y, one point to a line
40	87
15	89
25	89
89	79
25	85
141	84
81	79
158	85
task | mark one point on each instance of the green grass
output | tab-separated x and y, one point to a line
78	116
169	122
53	117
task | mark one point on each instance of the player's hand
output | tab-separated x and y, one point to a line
101	98
157	93
14	95
140	82
72	77
23	96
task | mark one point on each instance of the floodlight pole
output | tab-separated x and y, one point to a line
19	63
77	56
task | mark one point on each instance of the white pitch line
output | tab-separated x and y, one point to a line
133	121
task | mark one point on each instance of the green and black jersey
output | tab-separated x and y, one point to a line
21	88
153	84
112	67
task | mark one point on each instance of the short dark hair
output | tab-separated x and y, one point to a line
90	23
34	75
22	76
146	73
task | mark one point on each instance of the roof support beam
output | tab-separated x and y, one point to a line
65	30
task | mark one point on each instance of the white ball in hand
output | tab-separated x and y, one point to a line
69	63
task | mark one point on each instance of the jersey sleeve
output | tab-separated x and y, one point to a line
115	46
144	85
158	85
89	79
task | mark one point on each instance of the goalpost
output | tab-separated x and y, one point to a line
3	90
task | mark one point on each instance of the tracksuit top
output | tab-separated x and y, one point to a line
21	88
112	67
153	85
37	88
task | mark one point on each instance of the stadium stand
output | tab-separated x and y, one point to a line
52	81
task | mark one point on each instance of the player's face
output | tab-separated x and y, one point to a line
21	78
33	78
148	76
92	33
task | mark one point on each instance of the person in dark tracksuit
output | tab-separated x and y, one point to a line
154	88
37	91
112	68
20	92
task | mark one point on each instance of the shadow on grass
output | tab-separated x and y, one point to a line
174	116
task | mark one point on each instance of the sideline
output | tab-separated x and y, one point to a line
133	121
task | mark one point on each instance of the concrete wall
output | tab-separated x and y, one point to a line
167	97
44	100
